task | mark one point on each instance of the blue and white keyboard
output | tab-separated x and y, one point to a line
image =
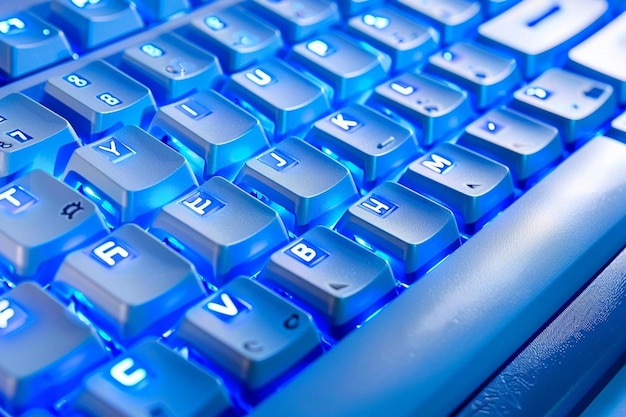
312	208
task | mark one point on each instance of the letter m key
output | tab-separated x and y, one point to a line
437	163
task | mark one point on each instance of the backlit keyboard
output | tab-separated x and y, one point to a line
312	208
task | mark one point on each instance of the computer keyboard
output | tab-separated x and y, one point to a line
312	208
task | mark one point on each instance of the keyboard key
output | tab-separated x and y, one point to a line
576	105
430	349
158	10
249	332
237	37
129	284
212	131
618	128
34	138
473	187
141	382
454	19
549	375
98	99
525	145
495	7
439	108
406	41
92	23
41	221
489	77
339	278
354	7
348	67
305	186
171	67
28	44
261	90
601	57
410	231
373	146
539	33
44	350
298	19
218	226
129	175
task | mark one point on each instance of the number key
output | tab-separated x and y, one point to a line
98	99
32	137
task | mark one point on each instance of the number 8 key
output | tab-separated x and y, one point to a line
98	99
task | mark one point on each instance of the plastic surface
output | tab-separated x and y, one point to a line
539	33
472	186
89	24
552	375
454	19
301	20
129	174
349	67
238	38
489	77
129	284
261	89
599	57
44	350
171	66
30	44
454	327
376	145
214	129
139	383
438	107
397	222
42	220
307	183
249	332
219	225
98	98
339	278
575	104
36	138
525	145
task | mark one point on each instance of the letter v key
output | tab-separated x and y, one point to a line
228	309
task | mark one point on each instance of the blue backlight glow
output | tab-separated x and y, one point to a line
195	161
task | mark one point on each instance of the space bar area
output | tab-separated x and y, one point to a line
430	349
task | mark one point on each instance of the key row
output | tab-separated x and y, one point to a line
98	99
26	311
253	336
501	134
408	34
326	72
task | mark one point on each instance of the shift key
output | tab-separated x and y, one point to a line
442	338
